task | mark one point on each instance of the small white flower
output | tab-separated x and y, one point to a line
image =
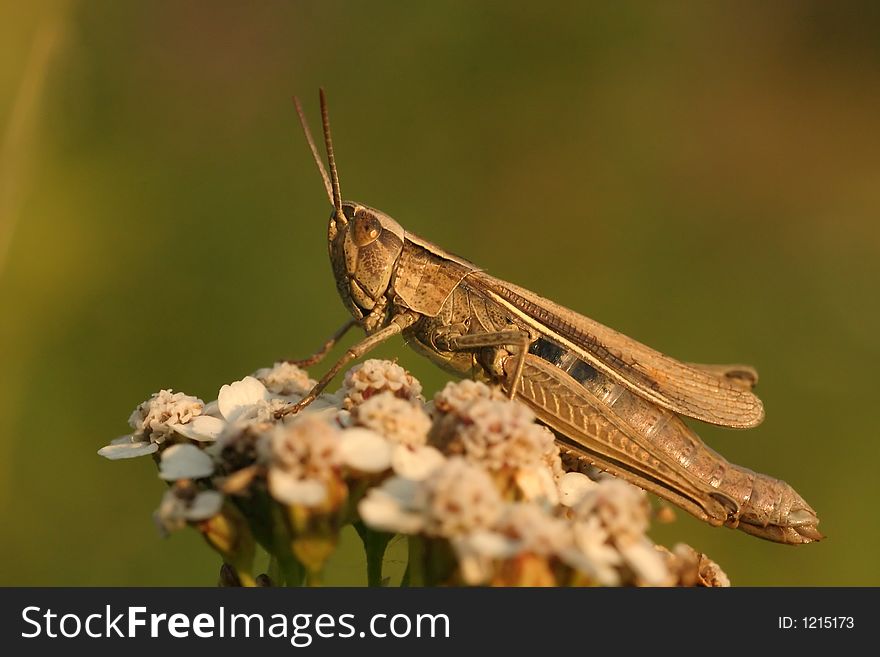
692	568
553	457
622	508
182	504
395	506
477	553
290	490
573	486
646	562
126	448
415	463
212	408
712	575
204	428
185	461
535	530
364	450
537	485
592	554
247	400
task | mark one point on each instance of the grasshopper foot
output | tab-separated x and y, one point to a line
291	409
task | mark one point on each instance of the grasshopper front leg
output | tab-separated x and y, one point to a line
394	327
319	355
451	341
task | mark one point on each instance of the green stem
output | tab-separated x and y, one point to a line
293	571
314	578
415	568
375	544
273	570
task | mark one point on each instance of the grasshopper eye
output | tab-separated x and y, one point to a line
365	229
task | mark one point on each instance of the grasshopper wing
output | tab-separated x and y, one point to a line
700	392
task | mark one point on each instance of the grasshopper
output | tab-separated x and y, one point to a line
612	402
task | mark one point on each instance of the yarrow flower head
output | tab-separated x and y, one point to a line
165	417
500	435
401	421
503	434
456	396
622	512
455	499
460	498
304	458
157	418
523	548
374	376
622	508
404	424
285	379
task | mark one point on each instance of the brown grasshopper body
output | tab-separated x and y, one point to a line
611	401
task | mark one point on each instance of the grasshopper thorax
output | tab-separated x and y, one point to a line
364	247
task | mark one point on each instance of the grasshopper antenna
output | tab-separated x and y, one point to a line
331	159
314	149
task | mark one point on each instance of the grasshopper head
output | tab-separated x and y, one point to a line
364	243
364	247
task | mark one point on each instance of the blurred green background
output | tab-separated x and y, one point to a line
702	176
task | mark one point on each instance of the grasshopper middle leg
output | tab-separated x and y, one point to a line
450	341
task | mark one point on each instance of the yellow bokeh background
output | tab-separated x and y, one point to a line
701	176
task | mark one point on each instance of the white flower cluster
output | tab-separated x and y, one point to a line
285	378
374	376
493	538
163	417
184	502
471	476
479	423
